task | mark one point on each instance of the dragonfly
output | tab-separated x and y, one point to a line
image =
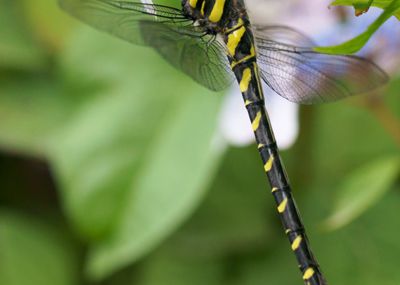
214	43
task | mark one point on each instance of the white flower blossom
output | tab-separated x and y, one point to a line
235	126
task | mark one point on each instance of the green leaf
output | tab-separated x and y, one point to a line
135	160
34	253
363	6
355	255
168	267
355	44
48	22
18	50
237	219
233	216
31	108
177	169
362	189
360	7
122	122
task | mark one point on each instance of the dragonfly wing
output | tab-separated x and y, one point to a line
198	55
303	76
166	29
121	18
282	34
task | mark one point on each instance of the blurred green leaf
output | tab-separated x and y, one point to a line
363	188
355	44
343	137
47	22
365	252
136	158
235	222
167	267
31	108
32	252
361	8
122	123
17	47
177	169
238	214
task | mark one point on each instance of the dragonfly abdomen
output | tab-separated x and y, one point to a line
241	53
248	77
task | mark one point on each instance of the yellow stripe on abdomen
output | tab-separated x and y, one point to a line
308	273
217	11
256	123
282	205
268	164
246	77
247	102
296	243
234	39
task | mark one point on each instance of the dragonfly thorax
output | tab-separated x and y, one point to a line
215	16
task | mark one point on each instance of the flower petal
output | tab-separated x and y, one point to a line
235	126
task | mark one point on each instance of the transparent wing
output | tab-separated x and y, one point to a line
303	76
185	46
121	18
202	58
283	35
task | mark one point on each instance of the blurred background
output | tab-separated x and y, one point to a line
116	168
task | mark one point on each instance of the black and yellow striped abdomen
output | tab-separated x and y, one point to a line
242	57
229	19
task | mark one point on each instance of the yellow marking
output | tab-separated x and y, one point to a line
252	50
257	76
288	231
248	102
256	123
260	145
234	39
296	243
246	77
217	11
202	8
274	189
268	164
247	57
238	25
282	205
193	3
308	273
